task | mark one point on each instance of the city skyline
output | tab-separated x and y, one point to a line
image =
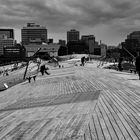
109	20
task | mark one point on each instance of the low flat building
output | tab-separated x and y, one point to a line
51	49
14	52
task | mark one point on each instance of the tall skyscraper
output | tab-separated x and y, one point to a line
33	33
73	35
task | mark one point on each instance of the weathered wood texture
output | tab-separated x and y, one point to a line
75	103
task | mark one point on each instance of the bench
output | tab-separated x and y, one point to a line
30	77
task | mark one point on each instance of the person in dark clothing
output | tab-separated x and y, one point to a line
120	64
43	70
137	64
82	61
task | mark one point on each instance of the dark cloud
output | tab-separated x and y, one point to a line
62	15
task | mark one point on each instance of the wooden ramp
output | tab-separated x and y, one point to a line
71	104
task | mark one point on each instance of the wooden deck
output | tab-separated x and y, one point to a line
75	103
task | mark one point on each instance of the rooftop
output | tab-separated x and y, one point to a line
73	102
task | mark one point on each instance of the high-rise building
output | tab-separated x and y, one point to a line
90	43
6	42
73	35
33	33
87	37
134	35
6	39
6	32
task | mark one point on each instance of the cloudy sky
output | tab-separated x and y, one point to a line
109	20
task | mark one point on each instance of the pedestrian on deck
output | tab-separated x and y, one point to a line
43	70
120	68
137	64
82	61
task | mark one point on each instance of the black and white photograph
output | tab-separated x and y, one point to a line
69	69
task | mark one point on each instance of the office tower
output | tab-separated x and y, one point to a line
6	39
134	35
7	32
88	37
73	35
33	33
9	42
90	43
62	43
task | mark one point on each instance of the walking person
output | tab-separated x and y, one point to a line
120	64
43	70
137	64
82	61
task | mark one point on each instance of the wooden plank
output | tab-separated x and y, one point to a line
18	132
45	130
98	127
103	124
127	117
112	120
31	133
131	108
114	113
108	123
124	121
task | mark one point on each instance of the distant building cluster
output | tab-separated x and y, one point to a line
85	44
35	37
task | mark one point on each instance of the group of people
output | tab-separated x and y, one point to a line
120	68
44	70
